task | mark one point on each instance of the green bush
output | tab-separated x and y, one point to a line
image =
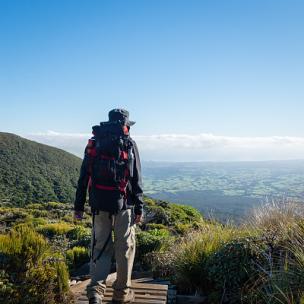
80	236
232	265
152	226
183	214
39	213
7	289
77	256
50	230
150	241
78	232
37	206
29	271
169	214
10	216
55	205
157	215
183	228
38	221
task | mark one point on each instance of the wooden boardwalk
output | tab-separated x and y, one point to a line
145	293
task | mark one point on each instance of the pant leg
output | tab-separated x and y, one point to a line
101	254
124	243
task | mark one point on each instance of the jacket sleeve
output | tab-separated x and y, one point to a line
136	183
81	192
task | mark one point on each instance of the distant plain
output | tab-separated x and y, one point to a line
226	190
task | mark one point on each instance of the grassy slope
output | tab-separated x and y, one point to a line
33	172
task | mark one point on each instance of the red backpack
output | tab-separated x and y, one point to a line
111	160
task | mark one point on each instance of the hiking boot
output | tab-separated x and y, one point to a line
126	298
95	300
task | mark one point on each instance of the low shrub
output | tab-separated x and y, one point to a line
38	221
184	214
183	228
161	264
77	256
157	215
80	236
169	214
152	226
29	271
35	206
39	213
78	232
10	216
151	241
56	205
52	229
231	266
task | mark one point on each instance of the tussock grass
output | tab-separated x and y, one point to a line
281	277
260	262
277	219
193	253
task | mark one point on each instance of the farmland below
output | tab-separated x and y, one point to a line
225	190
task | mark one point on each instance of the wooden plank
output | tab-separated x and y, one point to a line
143	280
145	293
145	296
137	301
149	293
149	286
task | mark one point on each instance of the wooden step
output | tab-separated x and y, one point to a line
145	293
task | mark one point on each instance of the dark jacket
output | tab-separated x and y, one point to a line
106	201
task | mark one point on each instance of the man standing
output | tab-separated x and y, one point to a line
111	171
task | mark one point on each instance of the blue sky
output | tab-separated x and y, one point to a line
228	69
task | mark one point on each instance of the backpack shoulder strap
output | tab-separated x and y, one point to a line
91	153
91	147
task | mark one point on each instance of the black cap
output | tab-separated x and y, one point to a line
121	115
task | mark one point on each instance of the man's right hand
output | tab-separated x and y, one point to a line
78	215
138	218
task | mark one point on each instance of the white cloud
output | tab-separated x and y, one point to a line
71	142
196	147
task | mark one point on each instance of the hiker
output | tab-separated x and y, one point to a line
111	171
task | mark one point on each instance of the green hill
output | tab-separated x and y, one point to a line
33	172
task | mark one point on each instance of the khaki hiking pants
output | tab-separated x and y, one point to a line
102	250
